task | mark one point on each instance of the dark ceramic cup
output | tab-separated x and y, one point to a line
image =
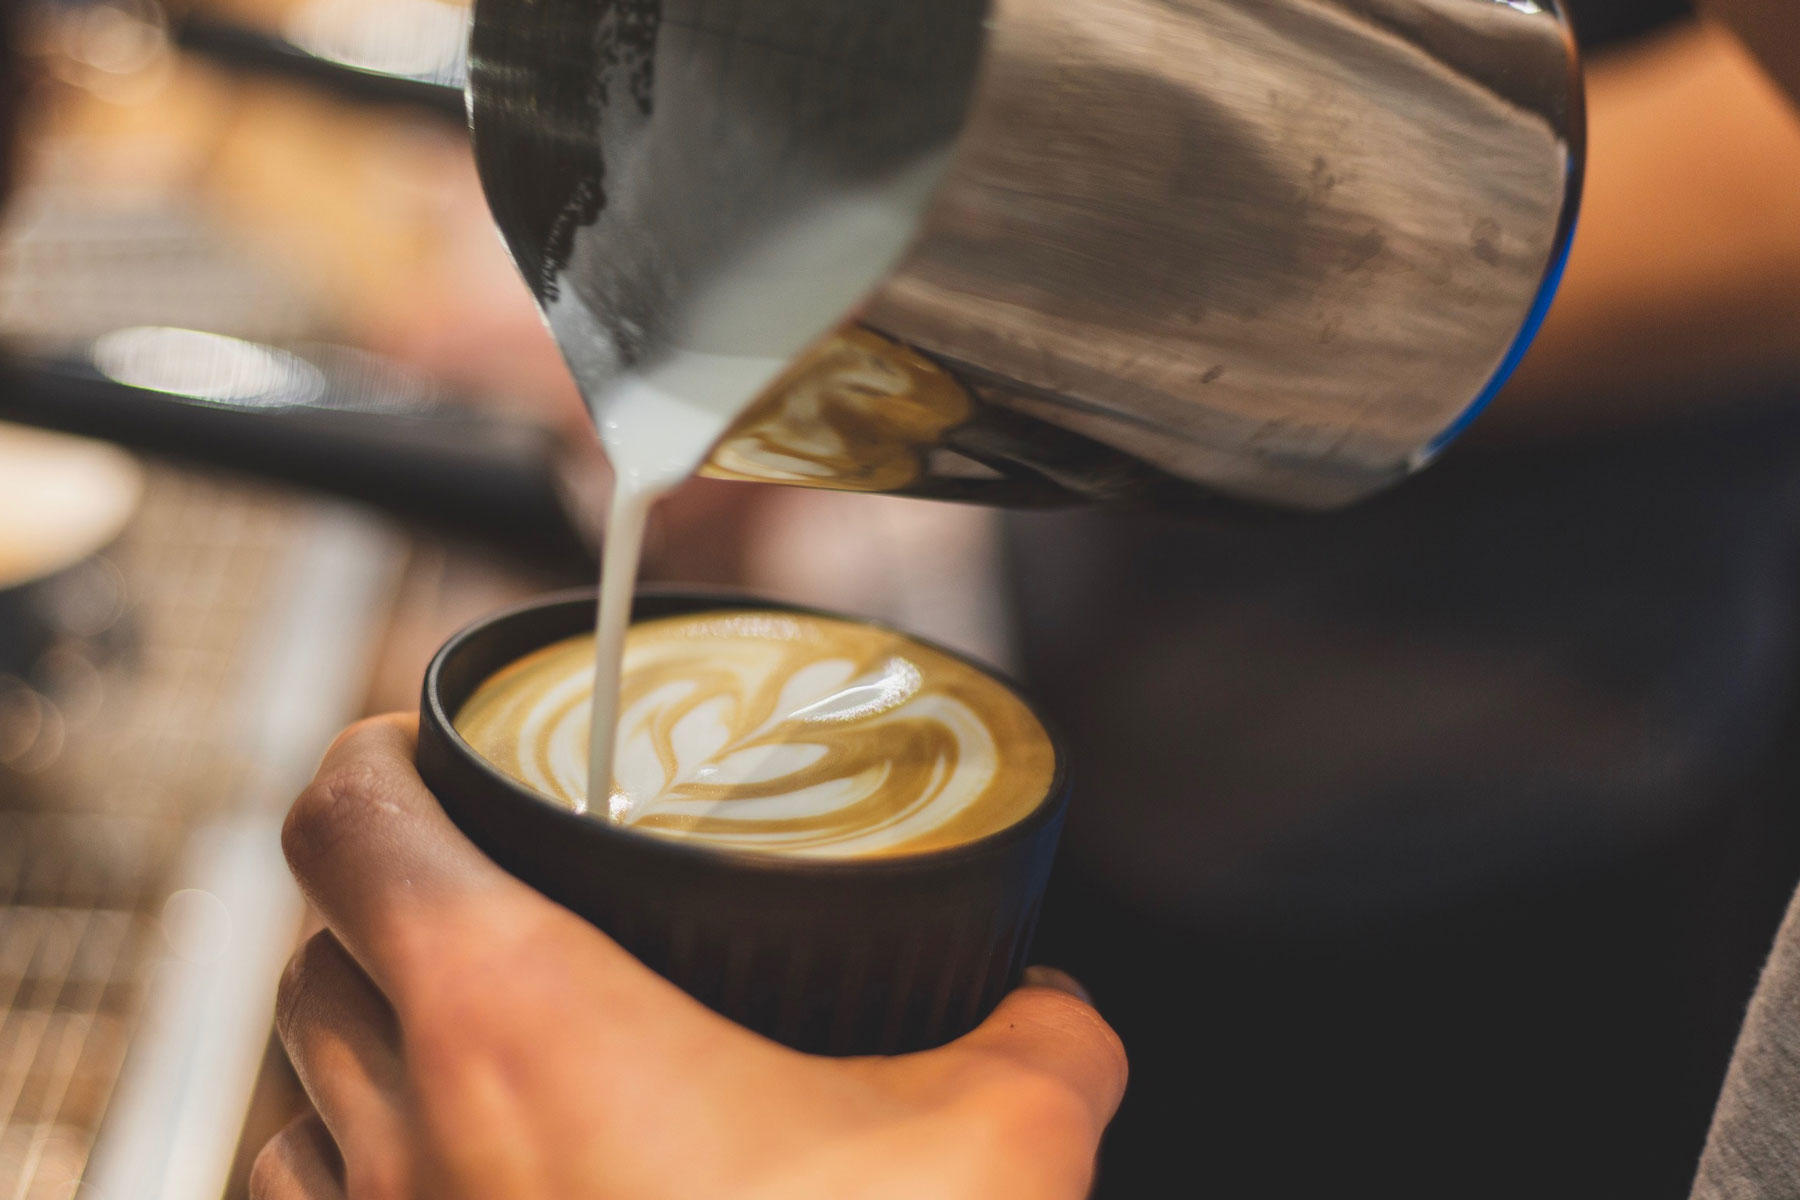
873	956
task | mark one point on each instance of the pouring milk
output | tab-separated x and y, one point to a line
658	420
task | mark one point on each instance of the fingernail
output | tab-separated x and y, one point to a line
1061	981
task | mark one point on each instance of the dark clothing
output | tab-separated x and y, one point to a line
1753	1152
1603	23
1431	846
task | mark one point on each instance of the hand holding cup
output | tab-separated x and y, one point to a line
461	1036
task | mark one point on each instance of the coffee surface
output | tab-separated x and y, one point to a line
775	732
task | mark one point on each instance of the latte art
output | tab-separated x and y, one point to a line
776	732
858	412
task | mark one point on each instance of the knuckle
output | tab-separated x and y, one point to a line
325	814
298	982
361	783
288	1002
269	1174
339	806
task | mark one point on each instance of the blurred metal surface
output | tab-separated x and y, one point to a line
198	666
144	325
143	783
1281	249
410	52
396	51
329	418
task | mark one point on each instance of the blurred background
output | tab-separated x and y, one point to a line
245	242
1431	846
222	222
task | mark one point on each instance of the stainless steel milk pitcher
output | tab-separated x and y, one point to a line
1278	250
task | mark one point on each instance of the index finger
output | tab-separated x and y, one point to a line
375	854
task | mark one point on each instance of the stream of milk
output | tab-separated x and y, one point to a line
660	420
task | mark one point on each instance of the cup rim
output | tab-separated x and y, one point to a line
1047	809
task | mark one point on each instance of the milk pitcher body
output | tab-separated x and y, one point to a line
1272	250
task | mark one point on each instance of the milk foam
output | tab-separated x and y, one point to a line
771	732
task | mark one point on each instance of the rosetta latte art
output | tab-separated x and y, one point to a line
776	732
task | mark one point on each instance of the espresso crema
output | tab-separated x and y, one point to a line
776	732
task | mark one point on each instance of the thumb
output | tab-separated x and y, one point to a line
1048	1026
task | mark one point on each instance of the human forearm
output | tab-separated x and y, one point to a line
1771	31
1685	276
